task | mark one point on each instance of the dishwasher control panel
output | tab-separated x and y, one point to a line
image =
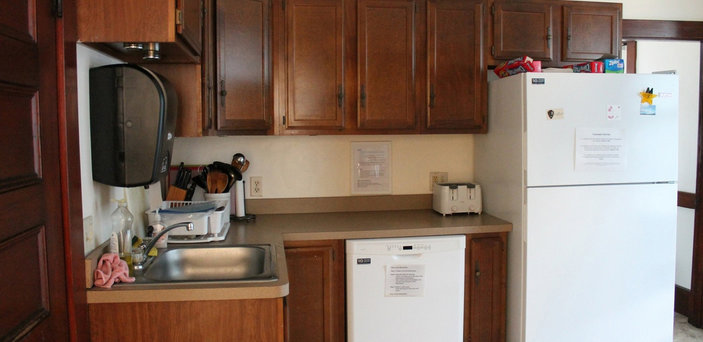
418	247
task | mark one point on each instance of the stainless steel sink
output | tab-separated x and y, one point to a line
195	264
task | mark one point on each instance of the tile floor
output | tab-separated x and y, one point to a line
684	332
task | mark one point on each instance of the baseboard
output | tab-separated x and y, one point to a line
681	300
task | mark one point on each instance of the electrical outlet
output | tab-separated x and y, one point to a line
88	231
437	177
256	186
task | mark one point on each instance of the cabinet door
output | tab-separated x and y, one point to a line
386	48
315	302
189	22
457	89
521	29
314	64
591	31
486	288
244	65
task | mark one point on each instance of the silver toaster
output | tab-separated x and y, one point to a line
452	198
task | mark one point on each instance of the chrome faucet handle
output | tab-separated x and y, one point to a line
138	263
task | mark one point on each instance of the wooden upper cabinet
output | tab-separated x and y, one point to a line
522	29
175	24
591	31
244	92
314	47
456	87
386	64
189	22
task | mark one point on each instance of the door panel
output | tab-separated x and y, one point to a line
386	38
600	263
315	35
31	236
457	87
591	32
244	65
523	29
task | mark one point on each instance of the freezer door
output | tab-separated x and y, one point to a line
594	128
600	263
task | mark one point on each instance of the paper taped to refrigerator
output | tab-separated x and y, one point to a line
600	149
405	280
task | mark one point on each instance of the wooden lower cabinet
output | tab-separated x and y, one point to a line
315	304
485	287
254	320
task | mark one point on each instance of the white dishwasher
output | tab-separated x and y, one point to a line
405	289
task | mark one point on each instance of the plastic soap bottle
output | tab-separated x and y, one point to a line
158	228
122	221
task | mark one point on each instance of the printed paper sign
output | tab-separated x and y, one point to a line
600	149
405	280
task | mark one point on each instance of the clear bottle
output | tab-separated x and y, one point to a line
122	221
158	227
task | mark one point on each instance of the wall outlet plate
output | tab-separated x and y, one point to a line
256	186
437	177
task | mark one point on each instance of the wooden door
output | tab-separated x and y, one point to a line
457	87
315	303
189	23
591	31
486	288
522	29
33	286
244	66
386	64
314	38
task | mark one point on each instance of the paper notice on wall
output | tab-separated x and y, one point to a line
371	168
405	280
600	149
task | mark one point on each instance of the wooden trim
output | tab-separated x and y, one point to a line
631	63
662	29
338	204
695	316
682	298
72	212
686	200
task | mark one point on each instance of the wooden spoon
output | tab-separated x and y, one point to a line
216	181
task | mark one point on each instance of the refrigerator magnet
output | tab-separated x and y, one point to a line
613	112
555	114
647	106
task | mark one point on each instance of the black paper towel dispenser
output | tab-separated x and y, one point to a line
132	121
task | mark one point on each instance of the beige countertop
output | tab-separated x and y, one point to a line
274	229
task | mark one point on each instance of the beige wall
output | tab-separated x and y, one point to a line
320	166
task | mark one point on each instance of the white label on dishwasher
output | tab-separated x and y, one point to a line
405	280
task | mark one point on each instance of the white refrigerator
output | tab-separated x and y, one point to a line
585	167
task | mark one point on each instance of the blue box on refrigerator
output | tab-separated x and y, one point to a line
614	66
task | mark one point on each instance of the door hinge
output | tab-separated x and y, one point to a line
415	4
179	16
58	8
493	9
493	50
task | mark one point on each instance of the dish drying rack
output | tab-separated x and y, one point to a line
210	220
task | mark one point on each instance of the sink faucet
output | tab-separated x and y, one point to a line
138	263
